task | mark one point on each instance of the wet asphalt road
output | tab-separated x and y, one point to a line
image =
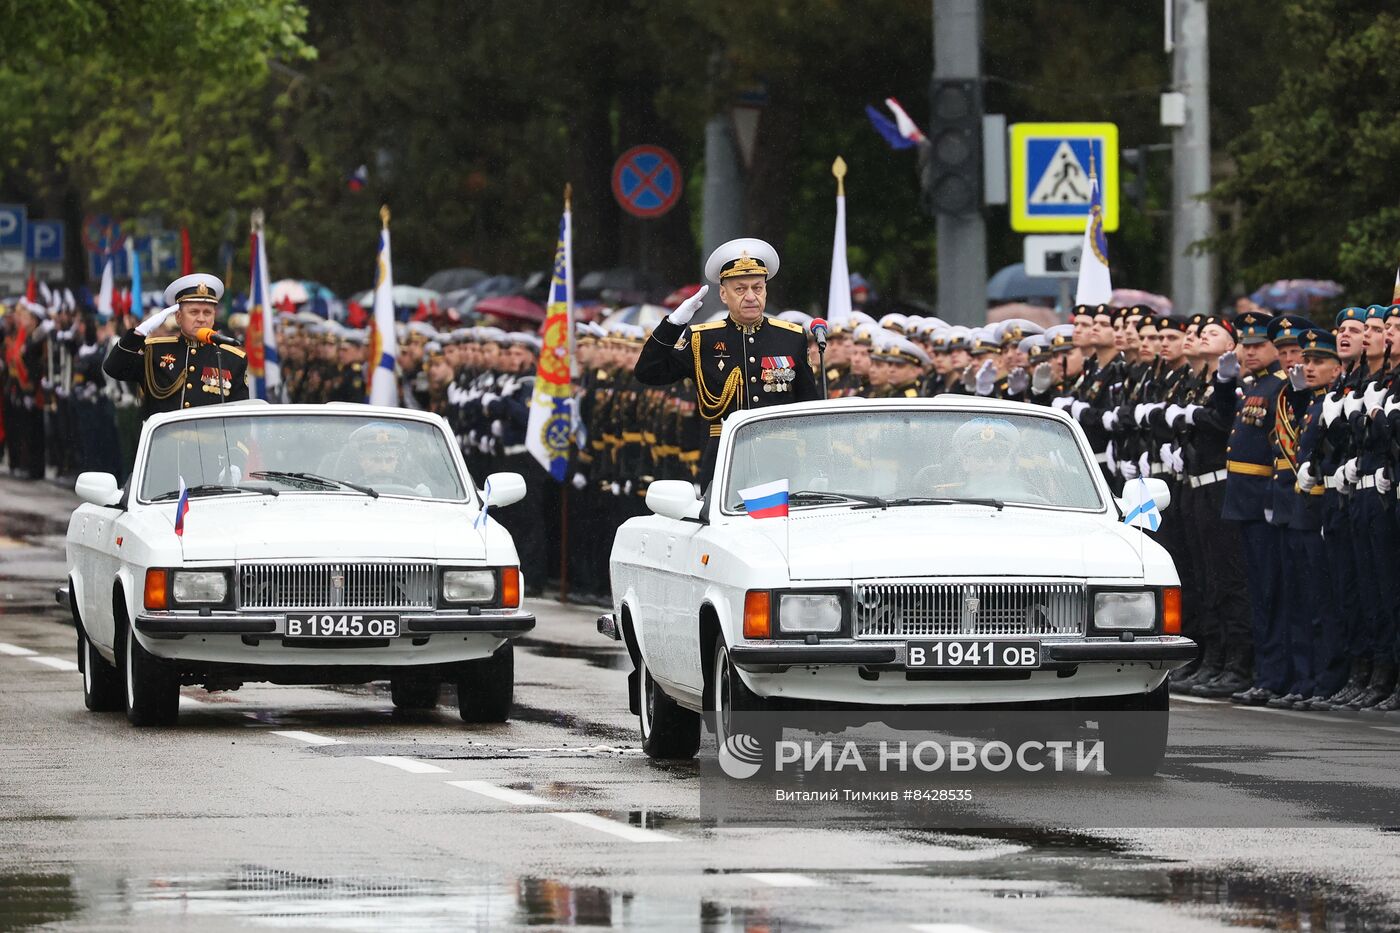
310	808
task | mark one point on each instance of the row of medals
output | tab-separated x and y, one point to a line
778	380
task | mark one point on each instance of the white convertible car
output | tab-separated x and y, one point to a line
294	544
948	552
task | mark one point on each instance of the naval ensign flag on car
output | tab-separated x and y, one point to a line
383	382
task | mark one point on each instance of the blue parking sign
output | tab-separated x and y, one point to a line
12	222
44	241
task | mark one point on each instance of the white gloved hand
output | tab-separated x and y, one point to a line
627	487
969	378
1110	419
1339	480
1042	379
1151	407
1140	411
1373	397
1061	402
1307	479
578	482
1228	366
1017	381
686	309
45	327
236	474
487	398
1077	408
1296	378
1144	465
1383	483
615	489
1350	472
1191	413
986	378
1391	405
1128	468
1331	408
1353	404
1174	411
151	324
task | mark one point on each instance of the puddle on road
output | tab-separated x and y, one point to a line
612	659
262	896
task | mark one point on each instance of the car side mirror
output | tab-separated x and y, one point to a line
673	498
98	488
1155	489
504	489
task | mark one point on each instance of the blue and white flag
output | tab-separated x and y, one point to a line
383	381
1095	287
1143	511
550	432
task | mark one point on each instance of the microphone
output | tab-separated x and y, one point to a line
819	331
209	335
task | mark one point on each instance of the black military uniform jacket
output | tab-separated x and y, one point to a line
734	367
173	373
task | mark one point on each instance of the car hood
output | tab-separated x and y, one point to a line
325	525
919	541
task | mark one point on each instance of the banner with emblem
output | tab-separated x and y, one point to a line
384	347
1095	285
550	433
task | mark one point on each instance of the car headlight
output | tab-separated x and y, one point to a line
805	613
1125	611
200	586
468	586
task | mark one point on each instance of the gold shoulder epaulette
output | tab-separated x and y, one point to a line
911	393
708	325
604	375
171	339
236	351
787	325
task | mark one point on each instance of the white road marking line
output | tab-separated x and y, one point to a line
503	794
782	879
614	828
191	701
58	664
310	738
15	650
1387	728
407	764
1177	696
945	928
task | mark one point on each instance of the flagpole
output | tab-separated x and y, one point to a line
573	372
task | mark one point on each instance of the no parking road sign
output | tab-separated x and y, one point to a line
1050	175
646	180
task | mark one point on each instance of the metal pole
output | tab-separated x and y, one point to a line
962	240
724	195
1193	276
564	542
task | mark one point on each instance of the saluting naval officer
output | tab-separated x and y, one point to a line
744	360
182	370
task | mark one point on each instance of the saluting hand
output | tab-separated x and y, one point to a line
1228	367
151	324
986	378
1017	381
686	310
1042	379
1296	379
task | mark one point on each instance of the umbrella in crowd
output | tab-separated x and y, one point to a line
1127	297
451	280
289	290
1296	295
511	308
643	315
1045	317
1011	283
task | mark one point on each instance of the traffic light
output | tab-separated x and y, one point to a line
952	170
1134	162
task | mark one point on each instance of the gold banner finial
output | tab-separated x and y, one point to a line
257	219
384	215
838	168
568	196
1092	172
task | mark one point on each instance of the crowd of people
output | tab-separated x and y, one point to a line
1278	439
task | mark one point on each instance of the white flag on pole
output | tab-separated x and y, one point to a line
384	383
838	301
1095	287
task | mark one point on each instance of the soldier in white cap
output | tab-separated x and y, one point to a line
743	360
187	369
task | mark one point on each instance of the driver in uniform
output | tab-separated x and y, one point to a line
741	361
987	449
379	453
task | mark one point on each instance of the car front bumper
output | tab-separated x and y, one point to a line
177	624
1171	650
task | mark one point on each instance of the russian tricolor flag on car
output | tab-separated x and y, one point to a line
769	500
183	506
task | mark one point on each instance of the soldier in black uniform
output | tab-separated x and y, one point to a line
181	370
744	360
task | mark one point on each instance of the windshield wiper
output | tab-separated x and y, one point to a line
210	489
822	495
316	477
283	475
931	500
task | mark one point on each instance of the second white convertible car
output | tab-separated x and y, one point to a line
946	552
294	544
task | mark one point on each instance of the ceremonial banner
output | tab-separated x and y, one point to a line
550	432
264	363
383	382
838	301
1095	286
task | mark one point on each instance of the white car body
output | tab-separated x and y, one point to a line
680	583
114	538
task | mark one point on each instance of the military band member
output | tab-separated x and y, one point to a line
181	371
742	361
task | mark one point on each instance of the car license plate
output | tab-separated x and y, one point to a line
343	625
973	653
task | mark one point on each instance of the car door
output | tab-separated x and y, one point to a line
100	543
681	610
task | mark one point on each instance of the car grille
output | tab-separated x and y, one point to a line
335	586
904	610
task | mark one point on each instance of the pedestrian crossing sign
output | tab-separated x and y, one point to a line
1050	165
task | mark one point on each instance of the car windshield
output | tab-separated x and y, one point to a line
352	454
886	459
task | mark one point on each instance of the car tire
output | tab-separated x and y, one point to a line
670	732
739	712
1134	732
152	691
102	683
485	688
414	691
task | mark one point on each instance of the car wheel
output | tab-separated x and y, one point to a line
152	692
414	691
486	687
669	730
102	683
1134	733
740	713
